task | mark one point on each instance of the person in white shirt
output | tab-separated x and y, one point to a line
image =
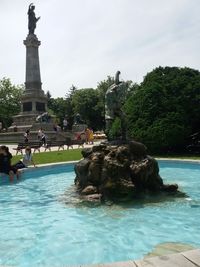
43	138
26	160
39	135
65	123
26	136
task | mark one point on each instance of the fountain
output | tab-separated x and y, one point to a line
120	168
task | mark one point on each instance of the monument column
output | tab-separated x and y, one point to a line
33	79
33	101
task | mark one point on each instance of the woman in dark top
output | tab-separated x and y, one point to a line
5	163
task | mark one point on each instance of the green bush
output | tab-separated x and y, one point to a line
165	109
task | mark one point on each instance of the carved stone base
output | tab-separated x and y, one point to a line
45	126
24	119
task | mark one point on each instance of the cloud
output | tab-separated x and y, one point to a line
84	41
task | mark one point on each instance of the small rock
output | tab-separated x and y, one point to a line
138	149
86	152
170	187
89	190
98	148
81	170
93	198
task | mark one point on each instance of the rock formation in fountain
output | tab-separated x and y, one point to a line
118	172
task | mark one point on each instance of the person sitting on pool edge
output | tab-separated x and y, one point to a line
26	160
5	163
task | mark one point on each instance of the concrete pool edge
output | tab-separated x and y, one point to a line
180	160
50	165
190	258
64	163
75	161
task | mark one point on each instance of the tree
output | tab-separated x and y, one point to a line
84	102
72	91
10	97
69	108
165	109
58	106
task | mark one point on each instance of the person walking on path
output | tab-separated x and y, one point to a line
65	124
39	135
43	138
26	136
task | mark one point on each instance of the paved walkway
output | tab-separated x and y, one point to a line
13	152
189	258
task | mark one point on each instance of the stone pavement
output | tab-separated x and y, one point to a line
189	258
13	152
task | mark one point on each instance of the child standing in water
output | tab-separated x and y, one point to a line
26	161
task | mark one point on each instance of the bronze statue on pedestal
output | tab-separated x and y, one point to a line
114	100
32	20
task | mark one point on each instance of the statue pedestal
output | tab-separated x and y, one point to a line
24	119
33	101
46	126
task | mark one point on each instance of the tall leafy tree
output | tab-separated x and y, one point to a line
84	102
165	109
58	107
10	97
69	107
71	92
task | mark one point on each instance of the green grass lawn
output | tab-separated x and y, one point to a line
75	154
53	156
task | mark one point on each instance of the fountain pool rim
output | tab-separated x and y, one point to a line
52	165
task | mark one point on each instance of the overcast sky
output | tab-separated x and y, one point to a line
83	41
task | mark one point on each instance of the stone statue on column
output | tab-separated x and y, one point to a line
32	20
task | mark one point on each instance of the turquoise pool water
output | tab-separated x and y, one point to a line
38	229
